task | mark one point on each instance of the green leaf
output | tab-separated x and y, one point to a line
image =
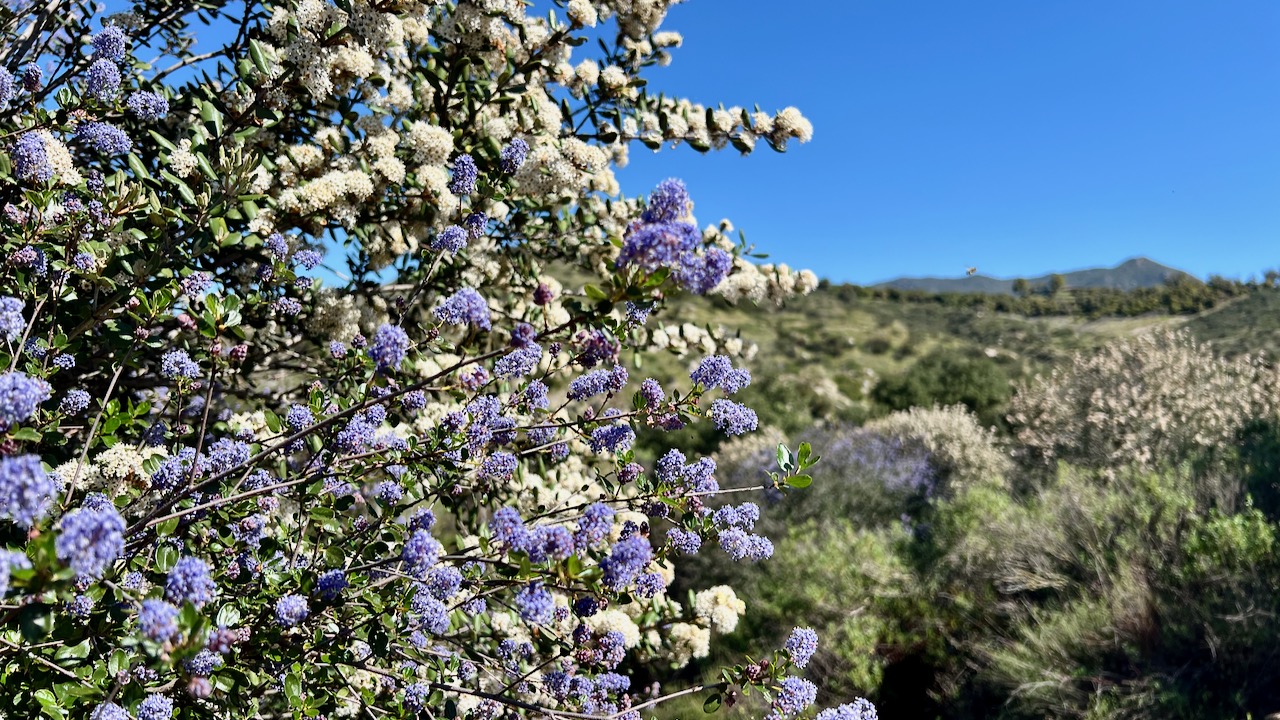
27	434
293	689
800	481
712	703
784	456
228	615
165	557
595	293
259	57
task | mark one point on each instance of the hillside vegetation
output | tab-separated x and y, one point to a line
1019	517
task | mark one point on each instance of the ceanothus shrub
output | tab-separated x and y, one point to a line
296	419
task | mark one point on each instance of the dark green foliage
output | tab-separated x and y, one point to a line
947	377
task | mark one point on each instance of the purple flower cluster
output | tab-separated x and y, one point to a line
463	307
420	553
598	381
25	490
801	645
518	362
614	438
698	477
733	418
684	541
535	604
30	158
498	466
158	620
291	610
465	174
793	697
12	323
90	539
390	345
109	711
594	526
104	137
860	709
147	105
513	155
102	80
717	371
451	239
189	581
626	561
110	44
20	397
9	561
741	545
330	584
668	202
178	364
6	88
661	238
204	663
155	707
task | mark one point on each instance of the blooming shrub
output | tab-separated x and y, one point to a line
235	486
1148	400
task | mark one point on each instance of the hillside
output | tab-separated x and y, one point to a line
1129	275
822	356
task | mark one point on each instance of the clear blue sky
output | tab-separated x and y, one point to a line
1018	136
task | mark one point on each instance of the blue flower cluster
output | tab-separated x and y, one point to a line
20	397
102	80
291	610
158	620
661	238
155	707
626	561
697	477
598	381
452	239
733	418
717	371
330	584
189	581
104	137
465	174
465	307
420	553
390	345
10	561
535	604
860	709
178	364
90	538
801	645
26	490
147	105
12	323
614	438
518	362
794	696
30	158
513	155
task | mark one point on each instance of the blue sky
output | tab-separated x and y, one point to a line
1017	136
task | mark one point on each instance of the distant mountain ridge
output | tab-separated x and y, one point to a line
1134	273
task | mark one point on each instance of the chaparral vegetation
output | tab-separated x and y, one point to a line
318	395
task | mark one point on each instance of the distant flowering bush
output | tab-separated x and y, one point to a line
233	485
1143	401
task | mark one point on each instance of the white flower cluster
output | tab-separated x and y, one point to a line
1142	401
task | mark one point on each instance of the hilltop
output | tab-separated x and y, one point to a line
1132	274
